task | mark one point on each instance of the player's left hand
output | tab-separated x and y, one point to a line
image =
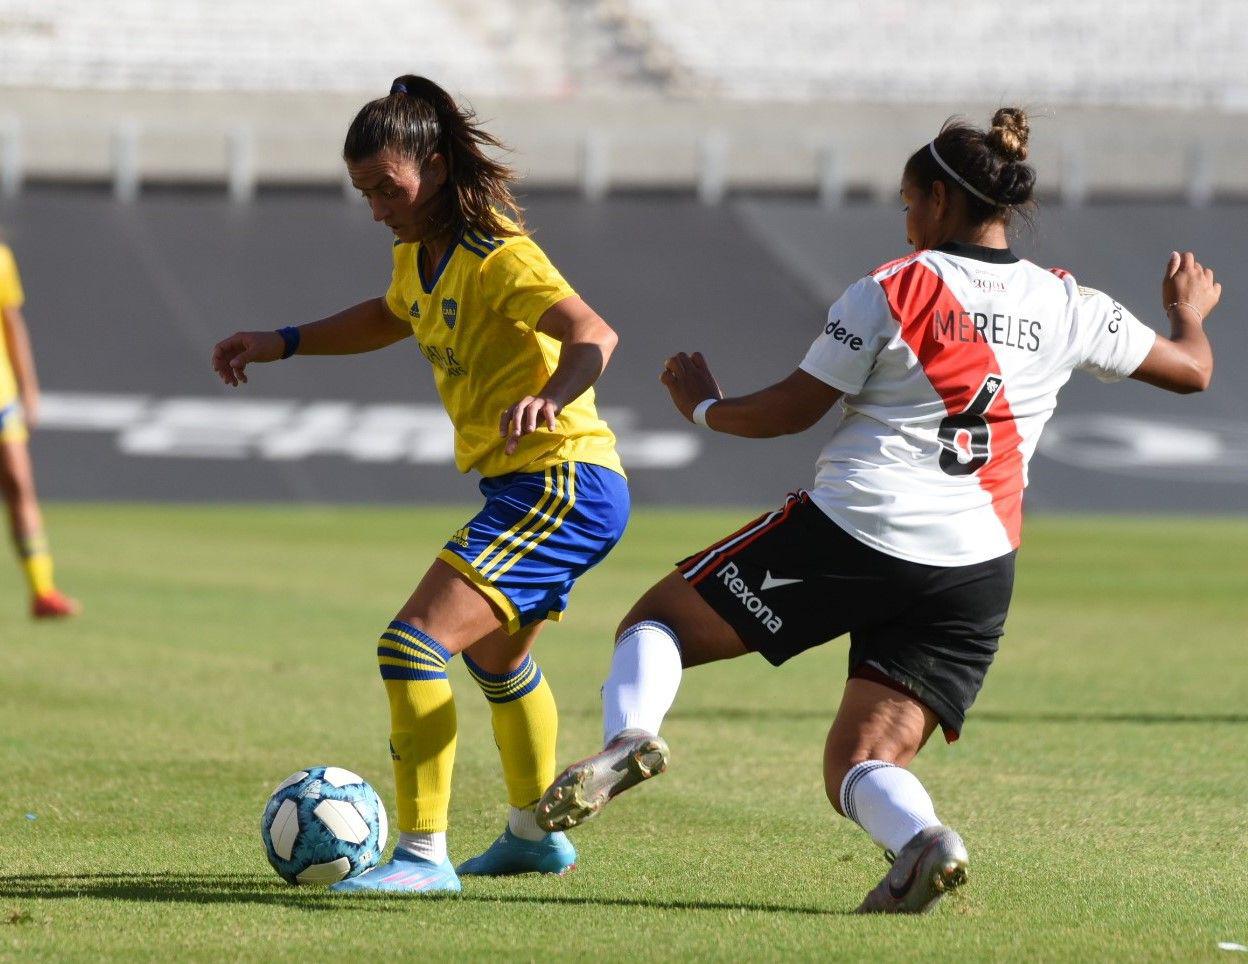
689	380
522	418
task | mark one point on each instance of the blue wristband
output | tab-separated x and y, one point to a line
290	337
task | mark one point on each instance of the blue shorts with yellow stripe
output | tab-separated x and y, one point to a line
537	534
12	425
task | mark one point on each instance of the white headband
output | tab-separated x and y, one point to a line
960	179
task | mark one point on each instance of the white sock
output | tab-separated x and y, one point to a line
888	802
523	823
644	678
431	846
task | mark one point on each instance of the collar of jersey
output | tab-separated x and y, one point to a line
429	285
979	252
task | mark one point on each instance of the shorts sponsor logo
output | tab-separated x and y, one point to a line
775	582
730	575
840	333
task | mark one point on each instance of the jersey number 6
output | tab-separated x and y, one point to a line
966	438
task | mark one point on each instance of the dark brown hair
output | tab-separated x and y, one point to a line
990	161
419	119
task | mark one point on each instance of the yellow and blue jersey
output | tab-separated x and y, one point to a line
475	319
12	427
10	297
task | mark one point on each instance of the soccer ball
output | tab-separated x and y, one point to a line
322	825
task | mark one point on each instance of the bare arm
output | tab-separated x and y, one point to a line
586	344
789	406
367	326
1184	361
17	339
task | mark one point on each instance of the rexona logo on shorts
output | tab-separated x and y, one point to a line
730	575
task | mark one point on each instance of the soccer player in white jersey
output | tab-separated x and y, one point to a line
948	362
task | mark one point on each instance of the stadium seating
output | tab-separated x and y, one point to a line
277	45
1148	52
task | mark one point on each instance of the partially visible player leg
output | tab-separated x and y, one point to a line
525	722
445	615
17	483
878	730
669	628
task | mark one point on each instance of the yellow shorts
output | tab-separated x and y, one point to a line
12	425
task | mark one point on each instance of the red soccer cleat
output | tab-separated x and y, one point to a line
54	605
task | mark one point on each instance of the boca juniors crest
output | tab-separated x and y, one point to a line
450	311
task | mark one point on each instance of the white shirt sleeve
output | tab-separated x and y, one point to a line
859	325
1112	341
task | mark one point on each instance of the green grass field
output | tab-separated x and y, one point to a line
1101	784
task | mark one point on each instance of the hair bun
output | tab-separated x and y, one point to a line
1009	133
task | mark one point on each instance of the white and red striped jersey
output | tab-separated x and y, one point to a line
951	360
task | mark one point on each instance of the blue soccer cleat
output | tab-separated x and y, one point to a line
404	874
509	854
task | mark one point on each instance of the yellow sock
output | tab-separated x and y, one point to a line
37	564
526	724
422	726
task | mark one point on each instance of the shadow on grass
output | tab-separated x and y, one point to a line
1146	719
180	888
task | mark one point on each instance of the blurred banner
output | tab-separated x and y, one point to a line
126	300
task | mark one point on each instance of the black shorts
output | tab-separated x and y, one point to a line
793	579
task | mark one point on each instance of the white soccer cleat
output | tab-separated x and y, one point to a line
932	863
584	788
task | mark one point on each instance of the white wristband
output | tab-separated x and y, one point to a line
699	411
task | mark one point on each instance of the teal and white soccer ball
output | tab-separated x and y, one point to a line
322	825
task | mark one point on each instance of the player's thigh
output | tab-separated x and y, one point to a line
874	722
17	473
704	635
18	477
502	652
448	607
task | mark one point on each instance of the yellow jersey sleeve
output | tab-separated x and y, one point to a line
519	282
11	295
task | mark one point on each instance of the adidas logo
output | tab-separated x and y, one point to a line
414	311
460	538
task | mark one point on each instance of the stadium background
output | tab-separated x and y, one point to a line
169	172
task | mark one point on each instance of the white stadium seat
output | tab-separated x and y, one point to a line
1091	52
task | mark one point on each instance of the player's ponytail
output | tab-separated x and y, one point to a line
419	119
988	167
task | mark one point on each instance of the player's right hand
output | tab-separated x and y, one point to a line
689	380
232	355
1189	282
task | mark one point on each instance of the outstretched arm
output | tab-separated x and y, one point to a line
367	326
586	344
790	406
1184	361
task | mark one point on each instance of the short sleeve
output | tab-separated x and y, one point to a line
1113	343
11	295
394	294
520	283
859	324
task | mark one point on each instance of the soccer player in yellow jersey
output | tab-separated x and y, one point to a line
19	407
514	353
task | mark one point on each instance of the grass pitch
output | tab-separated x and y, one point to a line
1100	784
